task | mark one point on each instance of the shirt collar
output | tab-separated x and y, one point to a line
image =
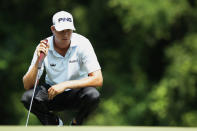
51	47
51	43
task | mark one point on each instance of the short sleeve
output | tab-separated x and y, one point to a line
88	58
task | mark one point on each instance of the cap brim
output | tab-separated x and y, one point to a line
64	26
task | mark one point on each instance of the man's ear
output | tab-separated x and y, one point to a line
53	28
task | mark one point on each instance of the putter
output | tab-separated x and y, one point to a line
32	97
41	59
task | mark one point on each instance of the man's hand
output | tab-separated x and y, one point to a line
43	47
55	90
94	79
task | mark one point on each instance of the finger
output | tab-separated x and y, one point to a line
45	42
43	45
42	49
49	89
38	53
47	51
51	93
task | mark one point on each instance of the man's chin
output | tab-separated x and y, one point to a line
66	40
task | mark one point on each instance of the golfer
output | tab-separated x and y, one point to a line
72	74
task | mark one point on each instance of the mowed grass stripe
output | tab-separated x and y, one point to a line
94	128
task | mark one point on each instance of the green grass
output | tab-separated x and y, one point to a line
94	128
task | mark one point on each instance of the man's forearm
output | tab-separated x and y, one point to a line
94	80
85	82
29	77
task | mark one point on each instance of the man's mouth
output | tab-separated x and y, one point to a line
64	39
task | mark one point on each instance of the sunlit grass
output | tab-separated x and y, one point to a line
93	128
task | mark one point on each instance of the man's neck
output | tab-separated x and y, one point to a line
61	51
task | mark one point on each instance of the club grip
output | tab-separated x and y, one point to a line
42	55
41	59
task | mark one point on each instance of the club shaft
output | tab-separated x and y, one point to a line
32	97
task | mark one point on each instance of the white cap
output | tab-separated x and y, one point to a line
63	20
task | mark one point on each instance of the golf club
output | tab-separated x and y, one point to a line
41	59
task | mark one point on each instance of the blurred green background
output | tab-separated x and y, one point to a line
147	50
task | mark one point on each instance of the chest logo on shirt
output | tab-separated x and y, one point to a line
73	61
52	64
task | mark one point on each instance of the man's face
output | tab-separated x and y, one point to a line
62	37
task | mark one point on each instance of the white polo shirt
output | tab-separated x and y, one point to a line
79	61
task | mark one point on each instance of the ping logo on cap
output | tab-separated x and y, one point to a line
64	19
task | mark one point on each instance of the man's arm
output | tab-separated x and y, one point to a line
30	77
94	79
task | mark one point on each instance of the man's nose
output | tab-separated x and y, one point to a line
65	33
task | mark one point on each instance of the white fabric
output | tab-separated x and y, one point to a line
79	61
63	20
